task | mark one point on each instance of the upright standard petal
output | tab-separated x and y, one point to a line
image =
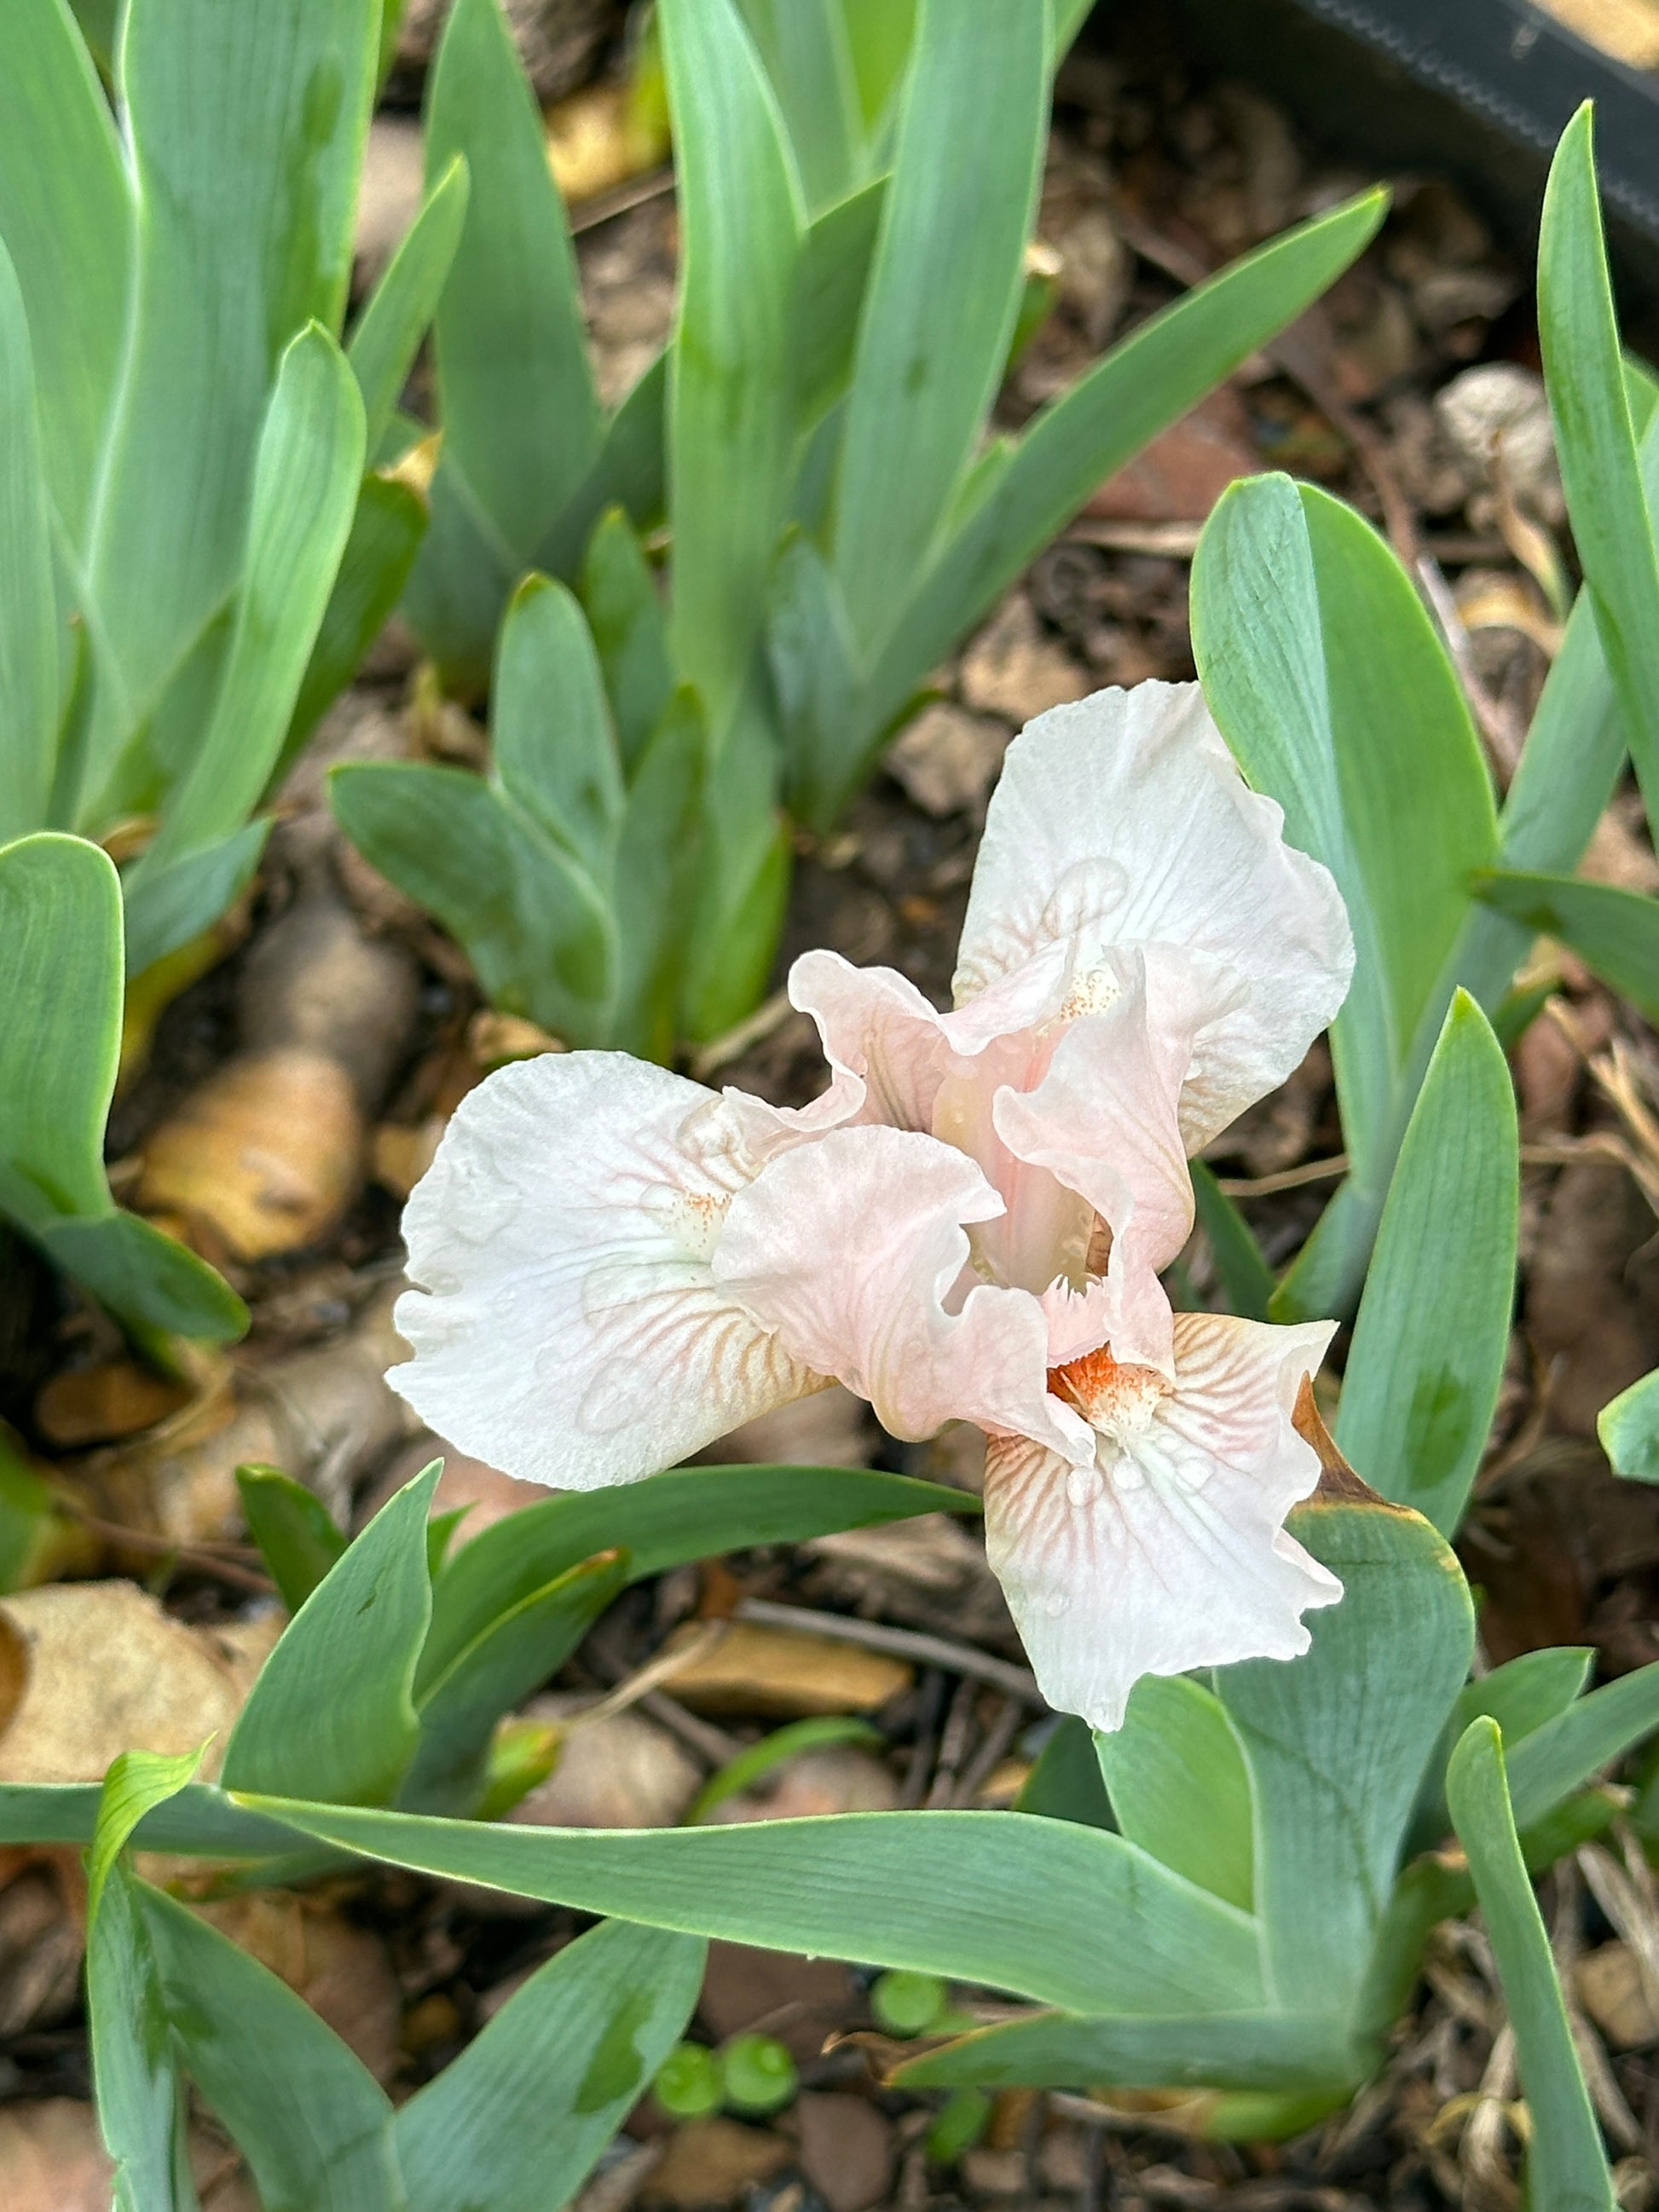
1122	820
856	1250
877	1030
567	1327
1169	1551
1104	1122
892	1050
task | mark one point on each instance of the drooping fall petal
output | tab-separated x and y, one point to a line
1121	820
1169	1551
566	1326
855	1249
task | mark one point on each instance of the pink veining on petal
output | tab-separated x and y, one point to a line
1169	1552
565	1323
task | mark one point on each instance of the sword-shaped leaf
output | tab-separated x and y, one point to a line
1567	2164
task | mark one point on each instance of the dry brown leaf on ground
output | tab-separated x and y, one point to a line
617	1770
104	1403
266	1155
1180	475
89	1670
1592	1291
323	1415
616	2183
341	1970
780	1673
602	137
830	1428
710	2163
1496	418
1609	1987
42	1923
803	2002
53	2160
557	39
1014	669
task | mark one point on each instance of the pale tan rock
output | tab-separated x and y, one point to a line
1063	2160
243	1646
988	2172
1013	668
261	1159
621	1771
89	1670
846	2149
389	192
1498	414
1609	1986
709	2163
96	1405
1616	855
782	1674
947	759
836	1779
52	2158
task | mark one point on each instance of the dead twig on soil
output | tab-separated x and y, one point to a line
754	1029
995	1747
901	1644
953	1745
632	193
205	1558
1286	1179
644	1688
1497	725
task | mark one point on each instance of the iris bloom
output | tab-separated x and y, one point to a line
617	1265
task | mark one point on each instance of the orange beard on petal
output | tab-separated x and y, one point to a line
1101	1388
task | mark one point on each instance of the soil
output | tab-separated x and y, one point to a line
1155	175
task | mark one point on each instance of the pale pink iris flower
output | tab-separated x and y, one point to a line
617	1265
